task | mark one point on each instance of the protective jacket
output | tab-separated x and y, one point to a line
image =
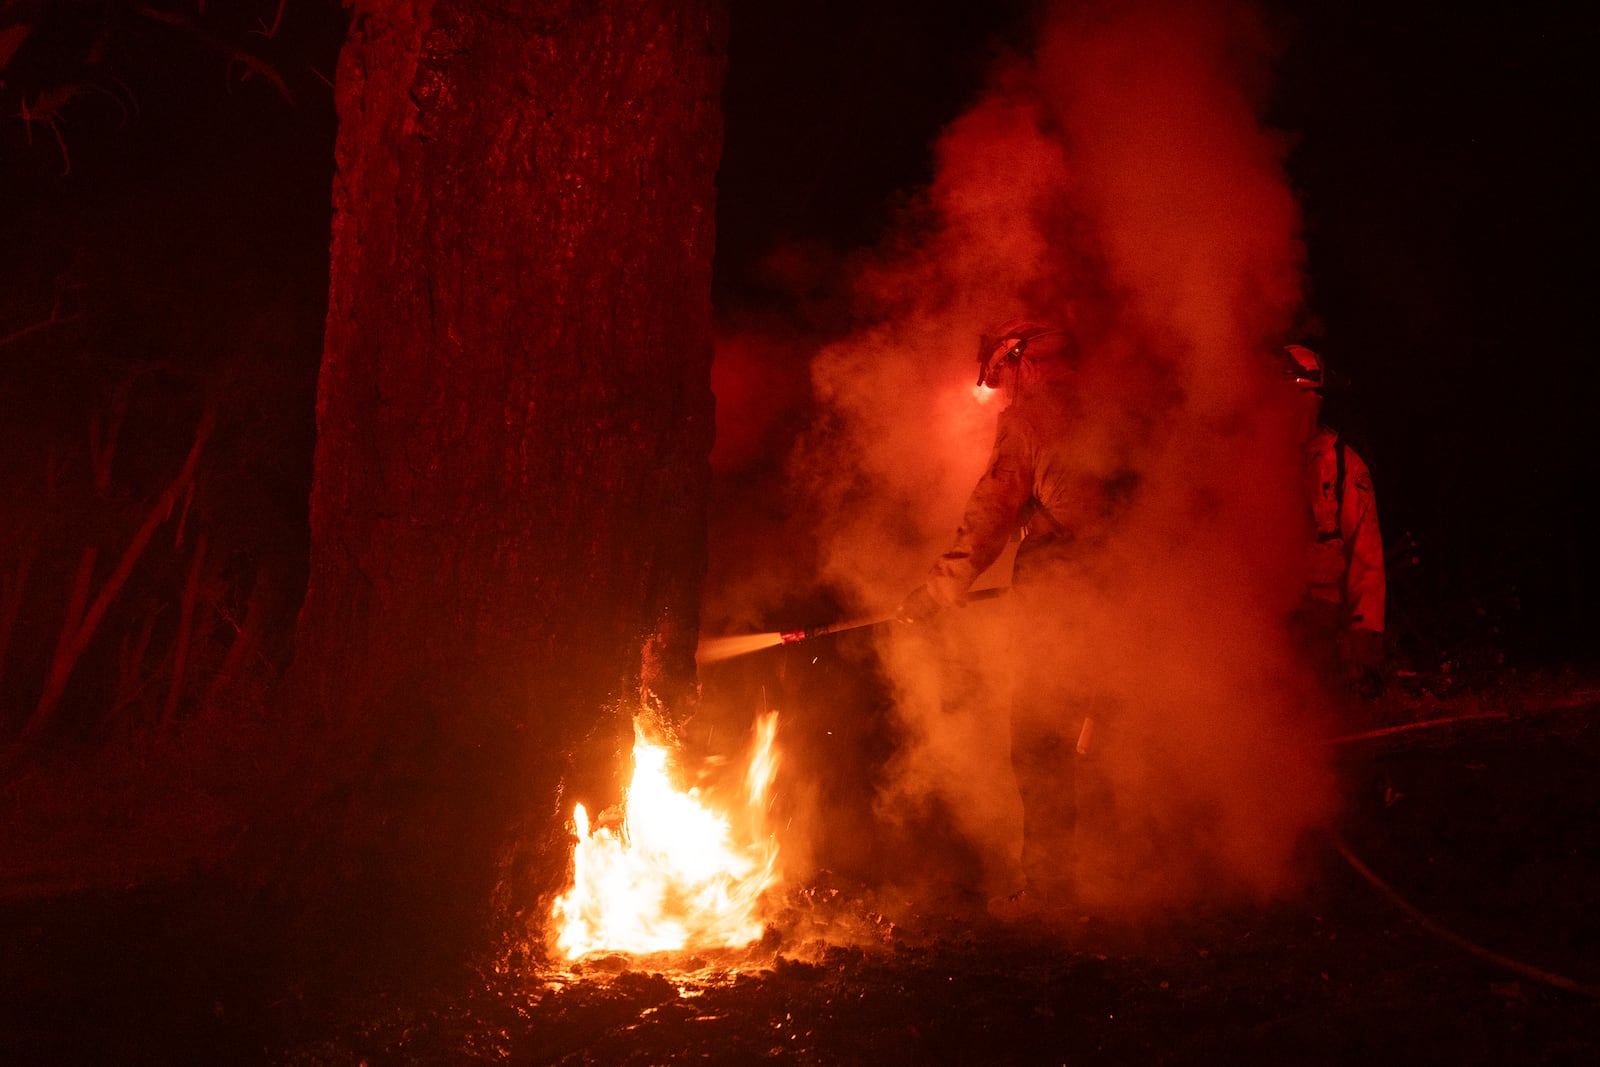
1345	565
1047	477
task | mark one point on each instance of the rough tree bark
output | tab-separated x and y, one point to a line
514	413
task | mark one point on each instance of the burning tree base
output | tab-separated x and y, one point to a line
674	874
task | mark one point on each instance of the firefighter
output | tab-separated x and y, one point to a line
1040	480
1340	618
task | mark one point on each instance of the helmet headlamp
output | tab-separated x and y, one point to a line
995	354
1005	348
1303	367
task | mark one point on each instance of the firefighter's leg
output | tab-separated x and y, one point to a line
1044	761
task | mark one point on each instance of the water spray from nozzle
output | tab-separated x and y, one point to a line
715	649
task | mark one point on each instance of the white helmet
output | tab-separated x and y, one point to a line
1005	347
1304	368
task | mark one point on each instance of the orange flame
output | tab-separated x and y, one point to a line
677	877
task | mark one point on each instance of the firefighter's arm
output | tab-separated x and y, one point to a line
993	512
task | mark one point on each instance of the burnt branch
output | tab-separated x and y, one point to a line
270	32
80	623
55	319
245	646
103	437
237	58
180	654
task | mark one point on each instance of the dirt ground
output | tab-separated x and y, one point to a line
1488	826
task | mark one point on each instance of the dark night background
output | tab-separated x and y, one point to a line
178	229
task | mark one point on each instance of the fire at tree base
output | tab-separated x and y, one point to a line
671	874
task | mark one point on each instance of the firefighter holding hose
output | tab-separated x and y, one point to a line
1044	479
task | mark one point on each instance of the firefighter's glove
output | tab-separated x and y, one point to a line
918	605
1362	650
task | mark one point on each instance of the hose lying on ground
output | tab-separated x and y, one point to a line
1444	933
1406	727
1417	914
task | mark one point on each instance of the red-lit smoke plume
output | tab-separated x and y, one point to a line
1116	180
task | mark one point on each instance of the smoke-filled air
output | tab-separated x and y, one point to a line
1114	182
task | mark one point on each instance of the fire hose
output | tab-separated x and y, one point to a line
789	637
1416	914
1444	933
716	649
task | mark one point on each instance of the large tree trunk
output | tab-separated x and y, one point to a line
514	413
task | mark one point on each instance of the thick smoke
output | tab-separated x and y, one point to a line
1117	181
